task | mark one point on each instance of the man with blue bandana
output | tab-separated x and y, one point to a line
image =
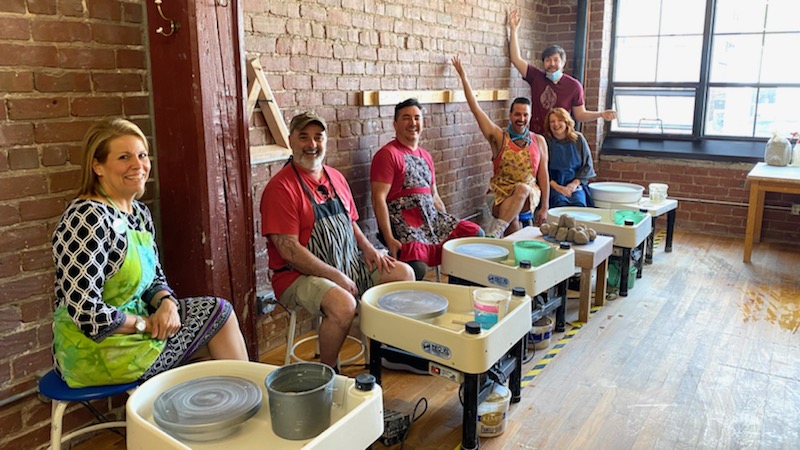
519	158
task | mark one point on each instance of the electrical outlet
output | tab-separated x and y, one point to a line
265	302
796	209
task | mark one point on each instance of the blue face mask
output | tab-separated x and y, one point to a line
555	76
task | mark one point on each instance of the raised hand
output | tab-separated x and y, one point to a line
513	19
456	60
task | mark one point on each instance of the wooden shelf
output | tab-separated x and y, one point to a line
380	98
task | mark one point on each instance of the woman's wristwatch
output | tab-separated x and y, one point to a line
140	324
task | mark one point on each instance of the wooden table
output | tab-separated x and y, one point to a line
765	178
587	257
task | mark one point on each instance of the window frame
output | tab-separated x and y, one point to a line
695	145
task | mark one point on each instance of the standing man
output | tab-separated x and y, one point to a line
318	256
552	87
519	157
411	215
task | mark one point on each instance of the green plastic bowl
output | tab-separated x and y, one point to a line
536	252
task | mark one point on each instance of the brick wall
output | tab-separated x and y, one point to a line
63	65
712	196
320	54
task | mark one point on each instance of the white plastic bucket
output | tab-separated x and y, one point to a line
490	305
657	192
541	331
493	411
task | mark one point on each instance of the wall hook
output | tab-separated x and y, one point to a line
173	25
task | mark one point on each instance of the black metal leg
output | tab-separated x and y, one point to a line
469	424
624	268
561	311
640	262
375	359
670	229
515	380
648	255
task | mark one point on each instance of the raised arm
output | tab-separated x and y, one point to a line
491	132
513	51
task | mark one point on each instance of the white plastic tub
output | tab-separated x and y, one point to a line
616	192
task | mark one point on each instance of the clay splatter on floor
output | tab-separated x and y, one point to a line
777	306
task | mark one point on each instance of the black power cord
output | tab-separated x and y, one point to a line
414	417
396	425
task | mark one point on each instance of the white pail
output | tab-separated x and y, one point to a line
493	411
658	192
541	332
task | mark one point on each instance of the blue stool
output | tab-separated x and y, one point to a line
54	388
526	218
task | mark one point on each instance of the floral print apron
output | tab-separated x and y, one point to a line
516	165
415	221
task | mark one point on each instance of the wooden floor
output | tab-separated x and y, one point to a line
703	353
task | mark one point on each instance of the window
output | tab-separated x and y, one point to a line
705	70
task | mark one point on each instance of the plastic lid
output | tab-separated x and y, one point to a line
472	327
518	291
416	304
491	252
207	408
584	216
524	264
365	382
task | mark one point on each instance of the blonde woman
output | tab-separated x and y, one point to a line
116	318
570	165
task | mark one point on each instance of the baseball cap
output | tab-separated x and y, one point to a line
301	120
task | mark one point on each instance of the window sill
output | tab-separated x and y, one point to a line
705	149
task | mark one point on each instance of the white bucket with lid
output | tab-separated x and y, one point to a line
657	192
493	411
541	331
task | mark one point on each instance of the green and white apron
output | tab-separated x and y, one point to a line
119	358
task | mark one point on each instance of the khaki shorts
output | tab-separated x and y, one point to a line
308	291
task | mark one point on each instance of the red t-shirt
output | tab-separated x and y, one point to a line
286	209
546	95
389	166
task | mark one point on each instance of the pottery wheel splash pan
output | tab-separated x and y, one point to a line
415	304
490	252
208	408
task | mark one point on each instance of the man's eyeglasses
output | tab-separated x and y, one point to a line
323	191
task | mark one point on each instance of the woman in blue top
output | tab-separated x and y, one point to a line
570	163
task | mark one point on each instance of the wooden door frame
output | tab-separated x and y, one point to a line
203	162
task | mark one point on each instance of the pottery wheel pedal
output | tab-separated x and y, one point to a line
395	427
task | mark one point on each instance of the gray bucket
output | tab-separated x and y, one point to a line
300	398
